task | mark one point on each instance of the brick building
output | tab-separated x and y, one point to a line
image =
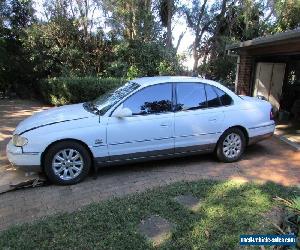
270	66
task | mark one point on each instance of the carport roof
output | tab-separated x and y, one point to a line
280	40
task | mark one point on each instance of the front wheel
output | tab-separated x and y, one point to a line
67	163
231	145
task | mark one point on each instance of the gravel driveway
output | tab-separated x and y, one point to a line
11	113
270	160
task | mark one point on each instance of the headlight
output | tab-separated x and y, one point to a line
19	141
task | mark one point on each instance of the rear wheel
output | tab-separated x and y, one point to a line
231	145
67	163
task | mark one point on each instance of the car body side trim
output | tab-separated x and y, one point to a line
99	146
144	140
142	154
154	155
158	139
30	153
205	147
258	138
29	168
269	125
191	135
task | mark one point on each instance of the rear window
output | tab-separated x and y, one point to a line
213	99
224	98
217	97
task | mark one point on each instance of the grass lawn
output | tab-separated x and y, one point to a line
228	209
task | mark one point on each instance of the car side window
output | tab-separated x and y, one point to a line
224	98
190	96
151	100
213	99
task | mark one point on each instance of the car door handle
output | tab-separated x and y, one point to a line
212	119
164	125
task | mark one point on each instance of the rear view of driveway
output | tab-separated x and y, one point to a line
270	160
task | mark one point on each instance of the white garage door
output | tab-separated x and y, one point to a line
268	81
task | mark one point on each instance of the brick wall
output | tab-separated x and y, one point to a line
244	75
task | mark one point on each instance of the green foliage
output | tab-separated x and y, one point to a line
291	217
242	21
226	22
68	42
288	15
296	204
167	67
132	19
145	59
58	48
292	204
4	83
66	90
221	67
133	72
16	70
129	39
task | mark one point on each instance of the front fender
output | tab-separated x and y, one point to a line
90	132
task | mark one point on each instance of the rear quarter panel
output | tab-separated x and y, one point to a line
252	114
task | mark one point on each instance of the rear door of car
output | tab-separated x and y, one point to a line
198	117
149	131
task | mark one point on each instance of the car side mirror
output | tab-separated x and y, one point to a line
122	112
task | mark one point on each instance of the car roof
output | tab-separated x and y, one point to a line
147	81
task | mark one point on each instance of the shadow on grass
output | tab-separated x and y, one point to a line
228	209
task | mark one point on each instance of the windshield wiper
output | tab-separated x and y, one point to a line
91	107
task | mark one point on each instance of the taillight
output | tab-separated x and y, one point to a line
271	114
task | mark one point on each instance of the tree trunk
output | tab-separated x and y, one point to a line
199	31
216	37
169	24
179	40
195	66
196	59
129	21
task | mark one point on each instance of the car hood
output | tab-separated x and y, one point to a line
53	116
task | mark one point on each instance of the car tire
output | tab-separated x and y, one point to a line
67	163
231	145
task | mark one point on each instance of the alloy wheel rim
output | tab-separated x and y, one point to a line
232	145
67	164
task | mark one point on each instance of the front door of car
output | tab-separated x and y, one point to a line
198	117
149	131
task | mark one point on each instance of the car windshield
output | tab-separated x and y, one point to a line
103	103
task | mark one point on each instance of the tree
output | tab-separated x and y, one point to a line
16	68
199	21
287	14
131	19
216	25
166	11
139	44
128	38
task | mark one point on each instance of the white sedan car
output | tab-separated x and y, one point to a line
147	118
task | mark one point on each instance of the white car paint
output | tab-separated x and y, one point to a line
107	136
